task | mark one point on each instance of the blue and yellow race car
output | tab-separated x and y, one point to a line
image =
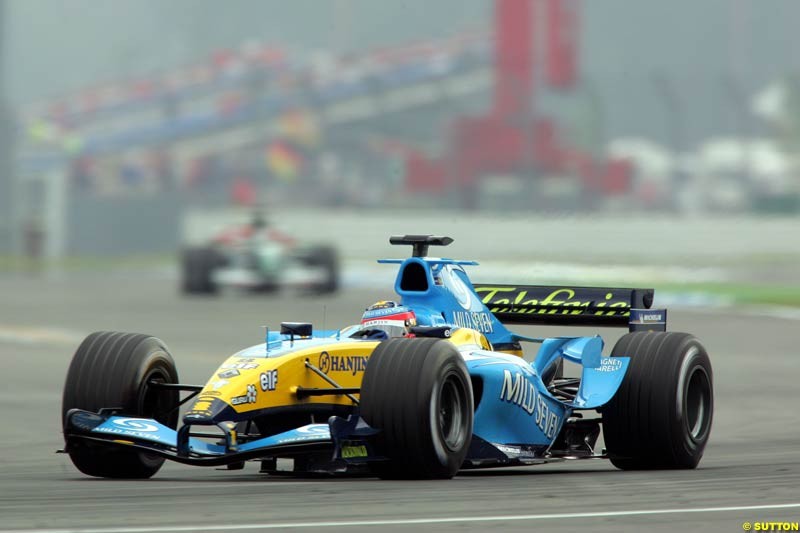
422	387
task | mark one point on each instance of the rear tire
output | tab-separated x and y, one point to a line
661	416
112	370
327	258
418	392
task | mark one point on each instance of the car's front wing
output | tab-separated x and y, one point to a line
148	435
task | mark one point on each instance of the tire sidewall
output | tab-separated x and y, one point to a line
157	364
694	359
446	456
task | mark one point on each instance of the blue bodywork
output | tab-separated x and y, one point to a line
516	408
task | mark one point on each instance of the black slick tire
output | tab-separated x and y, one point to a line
197	267
418	392
326	258
114	370
660	418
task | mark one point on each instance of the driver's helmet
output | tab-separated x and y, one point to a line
390	317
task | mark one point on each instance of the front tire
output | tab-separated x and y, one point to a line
661	415
114	370
418	392
197	269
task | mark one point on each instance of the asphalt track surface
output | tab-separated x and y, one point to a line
752	461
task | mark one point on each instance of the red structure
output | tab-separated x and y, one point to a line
512	138
513	58
561	43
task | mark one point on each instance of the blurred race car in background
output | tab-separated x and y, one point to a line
420	388
260	258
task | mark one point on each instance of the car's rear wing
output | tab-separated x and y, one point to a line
572	306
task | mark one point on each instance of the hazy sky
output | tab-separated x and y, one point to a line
58	44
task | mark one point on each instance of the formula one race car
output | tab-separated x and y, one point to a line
420	388
259	258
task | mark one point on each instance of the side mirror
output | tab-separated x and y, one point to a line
301	329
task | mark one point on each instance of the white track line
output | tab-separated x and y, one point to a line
407	521
36	335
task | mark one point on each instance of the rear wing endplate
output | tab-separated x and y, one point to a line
572	306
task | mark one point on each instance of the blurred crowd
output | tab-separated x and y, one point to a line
261	124
240	124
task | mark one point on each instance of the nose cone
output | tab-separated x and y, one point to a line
208	410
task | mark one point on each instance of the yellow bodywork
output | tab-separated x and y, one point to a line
251	383
264	382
